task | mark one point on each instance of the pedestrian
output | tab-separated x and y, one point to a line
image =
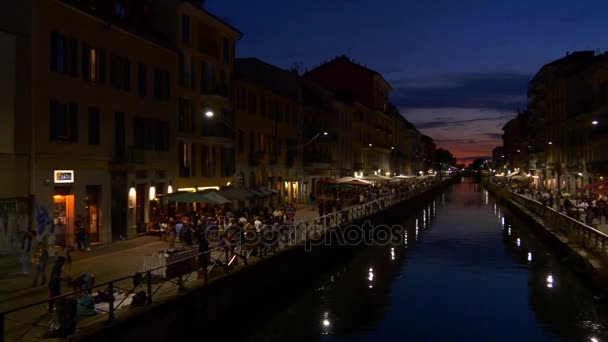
40	260
55	280
66	273
79	232
26	248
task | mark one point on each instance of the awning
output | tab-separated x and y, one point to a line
358	182
263	190
375	178
237	194
327	181
597	187
198	197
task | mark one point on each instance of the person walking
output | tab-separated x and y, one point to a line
40	260
55	281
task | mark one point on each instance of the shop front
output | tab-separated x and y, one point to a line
62	200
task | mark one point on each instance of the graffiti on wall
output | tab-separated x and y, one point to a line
13	222
43	220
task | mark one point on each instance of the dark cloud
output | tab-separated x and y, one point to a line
436	124
492	135
503	91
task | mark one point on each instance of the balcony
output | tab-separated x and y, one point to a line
217	130
256	158
129	155
319	160
216	90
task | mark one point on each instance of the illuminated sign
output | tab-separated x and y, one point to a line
64	176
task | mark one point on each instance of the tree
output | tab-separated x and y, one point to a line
444	159
478	164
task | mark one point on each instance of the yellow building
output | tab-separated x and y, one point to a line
268	127
94	114
205	128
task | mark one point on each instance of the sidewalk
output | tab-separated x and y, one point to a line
106	262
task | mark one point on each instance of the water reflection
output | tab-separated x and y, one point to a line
499	273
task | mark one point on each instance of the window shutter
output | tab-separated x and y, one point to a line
73	117
102	65
54	38
52	119
86	61
192	73
73	57
127	75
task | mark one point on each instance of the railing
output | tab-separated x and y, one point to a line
591	240
35	321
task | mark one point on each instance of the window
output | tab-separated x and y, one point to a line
252	103
241	143
186	115
207	78
162	136
263	105
185	159
120	72
63	121
226	50
142	79
151	135
243	100
223	83
64	54
207	161
227	160
91	63
93	123
162	81
185	29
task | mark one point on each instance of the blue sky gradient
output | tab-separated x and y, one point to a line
451	63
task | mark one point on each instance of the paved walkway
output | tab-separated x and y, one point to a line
106	262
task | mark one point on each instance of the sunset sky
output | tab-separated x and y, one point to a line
459	69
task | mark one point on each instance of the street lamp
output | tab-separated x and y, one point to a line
209	113
594	122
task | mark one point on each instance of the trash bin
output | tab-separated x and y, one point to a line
66	316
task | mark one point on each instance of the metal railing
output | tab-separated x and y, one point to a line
590	239
35	321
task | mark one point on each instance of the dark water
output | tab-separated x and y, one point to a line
468	270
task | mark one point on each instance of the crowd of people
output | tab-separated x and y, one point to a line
590	209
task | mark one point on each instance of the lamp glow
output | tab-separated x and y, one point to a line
209	114
152	192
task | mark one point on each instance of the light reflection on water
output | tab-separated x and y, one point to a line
469	271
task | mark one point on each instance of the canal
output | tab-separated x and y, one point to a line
467	270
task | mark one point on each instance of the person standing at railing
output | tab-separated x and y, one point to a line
203	249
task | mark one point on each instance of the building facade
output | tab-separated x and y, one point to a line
268	103
205	127
95	117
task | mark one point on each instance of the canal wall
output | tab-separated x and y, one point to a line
240	299
581	248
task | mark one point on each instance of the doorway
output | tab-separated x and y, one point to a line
93	194
119	205
63	219
140	204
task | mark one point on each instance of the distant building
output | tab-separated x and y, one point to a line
368	91
268	103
